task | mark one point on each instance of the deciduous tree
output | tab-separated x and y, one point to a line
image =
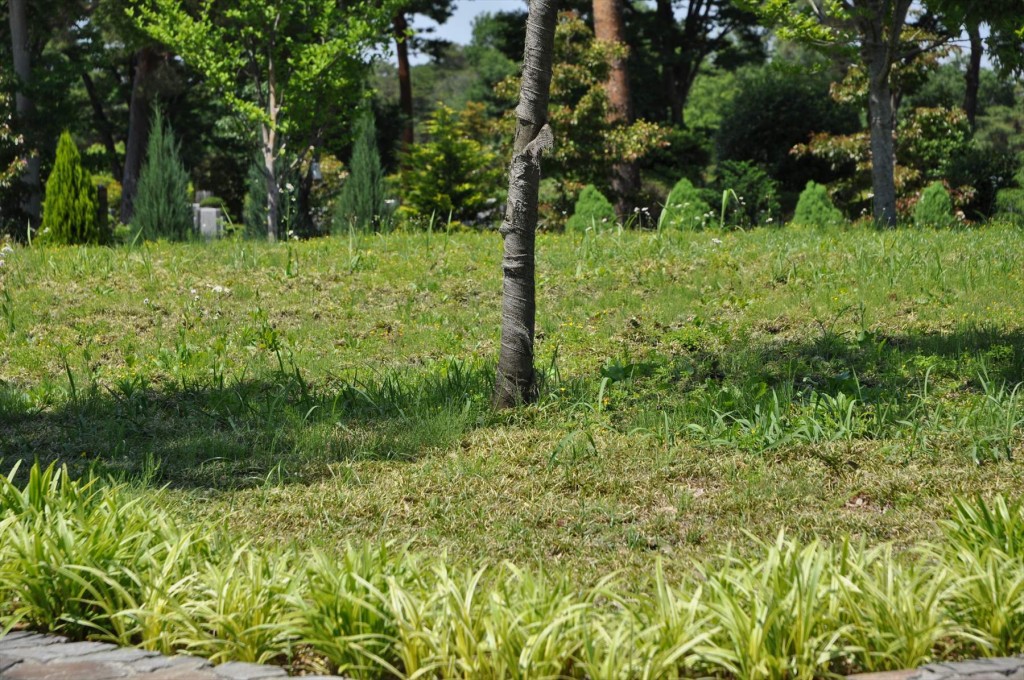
516	381
293	69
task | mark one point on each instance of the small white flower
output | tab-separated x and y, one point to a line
289	186
220	289
389	201
192	291
145	301
717	241
7	249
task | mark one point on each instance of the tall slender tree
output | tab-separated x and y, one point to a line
516	380
21	56
608	27
436	10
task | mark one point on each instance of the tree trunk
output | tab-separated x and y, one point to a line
883	151
401	27
667	48
516	381
973	76
138	129
23	105
103	125
880	24
269	151
608	28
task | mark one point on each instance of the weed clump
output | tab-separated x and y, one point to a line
935	208
593	210
685	208
69	209
815	208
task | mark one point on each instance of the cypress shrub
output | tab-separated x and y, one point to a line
592	210
934	208
162	208
685	208
69	208
815	207
361	201
254	208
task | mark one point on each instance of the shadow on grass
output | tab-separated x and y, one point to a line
281	427
246	433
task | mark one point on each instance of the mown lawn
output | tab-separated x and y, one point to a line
696	387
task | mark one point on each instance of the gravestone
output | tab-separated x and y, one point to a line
209	223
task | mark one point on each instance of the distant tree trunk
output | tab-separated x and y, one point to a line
667	48
103	125
880	23
973	76
269	150
401	27
145	60
608	27
516	381
23	103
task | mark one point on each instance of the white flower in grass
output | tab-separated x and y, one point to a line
717	241
220	290
7	249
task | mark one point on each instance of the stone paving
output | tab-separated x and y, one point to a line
32	656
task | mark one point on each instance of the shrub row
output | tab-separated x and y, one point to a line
92	560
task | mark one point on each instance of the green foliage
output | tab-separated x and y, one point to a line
451	173
1010	204
360	204
84	558
774	108
588	140
934	208
815	207
69	209
980	172
162	207
685	208
751	195
593	211
254	208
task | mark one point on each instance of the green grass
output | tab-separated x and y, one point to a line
698	389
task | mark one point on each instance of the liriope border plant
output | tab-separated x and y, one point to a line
92	559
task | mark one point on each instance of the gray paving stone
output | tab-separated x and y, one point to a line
15	641
70	650
235	670
77	669
7	662
125	655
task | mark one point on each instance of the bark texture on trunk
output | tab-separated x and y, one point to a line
401	27
20	55
516	380
880	23
972	79
146	61
883	148
608	27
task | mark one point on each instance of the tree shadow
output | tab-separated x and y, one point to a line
249	432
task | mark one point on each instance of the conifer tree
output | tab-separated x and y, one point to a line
69	209
162	208
361	203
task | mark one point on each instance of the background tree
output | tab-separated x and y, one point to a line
162	206
361	202
609	28
69	209
405	37
516	381
294	70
